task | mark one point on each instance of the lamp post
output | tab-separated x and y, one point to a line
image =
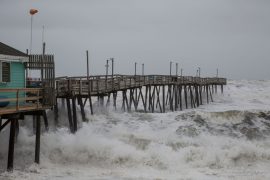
171	68
112	59
199	71
107	70
143	69
217	72
107	66
135	68
181	72
176	70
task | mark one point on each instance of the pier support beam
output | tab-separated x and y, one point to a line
37	148
185	93
56	115
46	123
163	98
11	144
114	99
80	102
74	113
71	127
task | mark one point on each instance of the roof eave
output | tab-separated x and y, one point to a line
4	57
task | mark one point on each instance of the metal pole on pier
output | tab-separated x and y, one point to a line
112	59
170	68
176	70
107	70
143	69
87	65
88	80
135	68
107	67
181	72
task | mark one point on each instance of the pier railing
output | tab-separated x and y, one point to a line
104	84
14	100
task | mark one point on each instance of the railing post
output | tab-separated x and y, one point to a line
80	86
119	83
57	88
69	85
37	98
97	86
17	100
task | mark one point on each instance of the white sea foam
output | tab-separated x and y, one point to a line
226	139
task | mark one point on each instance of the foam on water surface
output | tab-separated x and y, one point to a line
226	139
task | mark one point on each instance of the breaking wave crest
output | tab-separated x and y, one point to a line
192	144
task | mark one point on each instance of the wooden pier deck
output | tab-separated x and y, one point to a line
157	93
98	85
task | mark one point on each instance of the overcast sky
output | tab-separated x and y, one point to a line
232	35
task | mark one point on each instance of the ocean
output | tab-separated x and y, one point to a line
226	139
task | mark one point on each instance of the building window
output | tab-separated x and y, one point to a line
4	71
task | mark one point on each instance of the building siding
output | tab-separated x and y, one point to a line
17	76
17	79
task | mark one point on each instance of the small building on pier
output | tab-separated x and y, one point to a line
12	70
18	98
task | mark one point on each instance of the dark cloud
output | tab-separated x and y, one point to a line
232	35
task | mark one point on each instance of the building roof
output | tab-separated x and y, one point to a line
7	50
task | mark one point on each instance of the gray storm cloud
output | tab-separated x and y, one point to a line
232	35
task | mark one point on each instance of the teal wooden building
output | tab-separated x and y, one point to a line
12	67
18	99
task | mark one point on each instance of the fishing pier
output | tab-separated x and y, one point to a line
157	93
20	97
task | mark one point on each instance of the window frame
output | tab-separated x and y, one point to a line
1	71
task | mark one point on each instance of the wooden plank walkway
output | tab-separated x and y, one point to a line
22	100
106	84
